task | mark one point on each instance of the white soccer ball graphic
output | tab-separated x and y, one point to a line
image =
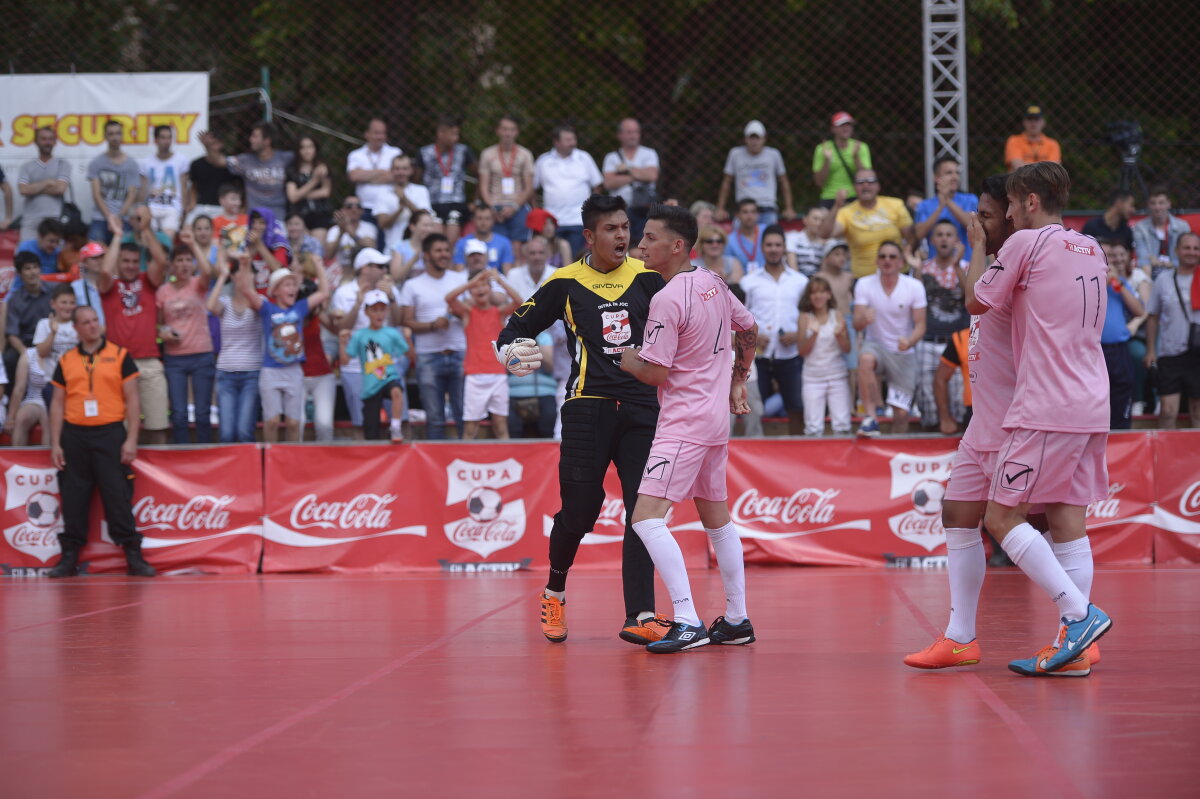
42	509
484	504
927	497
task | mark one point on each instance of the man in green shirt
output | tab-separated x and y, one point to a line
836	160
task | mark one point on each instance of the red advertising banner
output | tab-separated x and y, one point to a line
1177	489
457	507
872	502
198	511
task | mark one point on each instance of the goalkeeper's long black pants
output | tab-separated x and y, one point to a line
596	432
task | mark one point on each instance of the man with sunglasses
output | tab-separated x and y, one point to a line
867	222
349	233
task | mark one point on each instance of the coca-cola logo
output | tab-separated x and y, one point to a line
484	537
804	506
38	542
363	512
1109	507
202	512
923	529
487	495
1189	503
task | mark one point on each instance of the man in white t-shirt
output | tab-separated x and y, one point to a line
165	183
349	233
890	307
567	176
346	308
395	207
369	167
630	172
526	279
438	336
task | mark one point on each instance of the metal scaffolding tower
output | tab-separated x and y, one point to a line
945	66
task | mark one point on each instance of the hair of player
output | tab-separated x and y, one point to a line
773	230
742	203
816	281
61	290
160	128
944	159
1048	180
996	187
598	205
49	226
430	240
78	308
24	259
676	219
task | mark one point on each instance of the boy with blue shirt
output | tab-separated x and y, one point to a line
281	381
381	349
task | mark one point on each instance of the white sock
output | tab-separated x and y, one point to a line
668	559
1076	559
967	565
559	595
728	546
395	425
1034	556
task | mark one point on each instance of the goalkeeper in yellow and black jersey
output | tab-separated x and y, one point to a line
608	416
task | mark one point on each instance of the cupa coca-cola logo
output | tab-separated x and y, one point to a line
1189	503
363	512
804	506
203	512
489	495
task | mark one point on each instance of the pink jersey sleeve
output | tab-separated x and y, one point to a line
661	339
1008	272
739	317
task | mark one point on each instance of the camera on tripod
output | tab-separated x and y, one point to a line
1125	136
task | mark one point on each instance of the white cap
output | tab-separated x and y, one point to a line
278	276
476	247
755	128
375	297
369	255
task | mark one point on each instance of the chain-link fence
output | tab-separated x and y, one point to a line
693	71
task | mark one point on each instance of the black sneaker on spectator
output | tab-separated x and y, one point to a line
722	632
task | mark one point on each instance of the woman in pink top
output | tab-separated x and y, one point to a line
187	343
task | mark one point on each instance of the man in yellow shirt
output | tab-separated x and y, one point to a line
1031	146
867	222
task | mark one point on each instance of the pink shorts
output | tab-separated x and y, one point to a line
679	470
1042	466
971	474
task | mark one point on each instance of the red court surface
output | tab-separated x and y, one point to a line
442	686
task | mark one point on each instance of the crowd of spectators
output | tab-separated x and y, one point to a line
245	289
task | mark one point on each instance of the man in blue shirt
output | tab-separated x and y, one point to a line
1123	305
499	248
948	203
46	246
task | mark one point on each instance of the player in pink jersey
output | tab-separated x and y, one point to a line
686	354
1057	422
993	380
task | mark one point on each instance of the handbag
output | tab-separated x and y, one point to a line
1193	339
70	215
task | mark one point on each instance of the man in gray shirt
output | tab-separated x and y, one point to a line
1171	315
42	182
262	169
760	176
115	179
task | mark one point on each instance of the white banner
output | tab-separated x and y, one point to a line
77	108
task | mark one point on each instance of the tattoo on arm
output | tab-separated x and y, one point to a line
743	348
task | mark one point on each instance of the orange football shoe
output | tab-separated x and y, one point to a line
1093	653
646	631
944	653
1032	667
554	623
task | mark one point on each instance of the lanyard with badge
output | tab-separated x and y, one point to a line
508	184
91	407
447	167
752	256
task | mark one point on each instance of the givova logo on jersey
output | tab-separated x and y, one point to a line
921	478
487	496
33	506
